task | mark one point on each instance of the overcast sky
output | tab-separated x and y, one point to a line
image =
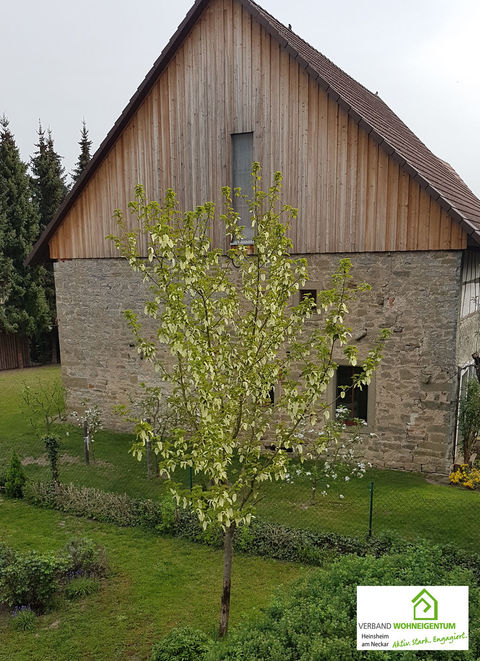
63	61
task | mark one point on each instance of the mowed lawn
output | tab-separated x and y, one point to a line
405	503
157	583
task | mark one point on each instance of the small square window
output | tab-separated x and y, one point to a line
309	294
270	398
355	400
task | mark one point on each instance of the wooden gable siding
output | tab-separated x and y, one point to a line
229	76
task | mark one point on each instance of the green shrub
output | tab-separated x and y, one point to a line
23	619
31	580
316	617
85	557
52	448
7	555
168	511
182	644
80	587
15	478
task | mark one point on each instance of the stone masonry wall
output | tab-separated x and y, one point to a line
415	294
99	360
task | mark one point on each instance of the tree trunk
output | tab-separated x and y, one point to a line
86	443
149	460
227	580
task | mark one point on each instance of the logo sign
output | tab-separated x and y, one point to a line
424	603
414	617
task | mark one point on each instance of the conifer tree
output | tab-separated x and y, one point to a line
85	155
48	178
49	191
23	306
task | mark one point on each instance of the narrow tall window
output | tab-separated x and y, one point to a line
242	158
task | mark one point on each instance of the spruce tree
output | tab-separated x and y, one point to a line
48	178
49	190
85	155
23	306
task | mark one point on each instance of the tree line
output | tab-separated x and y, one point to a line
30	196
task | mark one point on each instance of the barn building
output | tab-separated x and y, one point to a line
234	85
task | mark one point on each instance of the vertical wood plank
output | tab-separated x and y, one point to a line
379	239
361	206
332	146
371	212
392	204
423	221
322	146
351	201
412	218
342	201
435	226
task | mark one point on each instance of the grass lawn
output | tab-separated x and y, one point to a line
403	502
157	583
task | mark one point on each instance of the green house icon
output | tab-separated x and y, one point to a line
425	606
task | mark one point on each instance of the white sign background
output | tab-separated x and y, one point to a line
389	604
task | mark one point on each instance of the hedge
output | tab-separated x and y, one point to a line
260	538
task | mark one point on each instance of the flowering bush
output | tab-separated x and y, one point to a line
465	476
333	459
91	423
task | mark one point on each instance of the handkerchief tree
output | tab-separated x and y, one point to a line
229	328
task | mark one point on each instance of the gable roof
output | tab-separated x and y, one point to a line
439	180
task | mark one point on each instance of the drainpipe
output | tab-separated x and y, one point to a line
457	411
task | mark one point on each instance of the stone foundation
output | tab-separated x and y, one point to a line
415	294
